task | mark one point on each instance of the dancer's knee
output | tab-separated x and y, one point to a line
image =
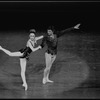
10	53
22	72
46	69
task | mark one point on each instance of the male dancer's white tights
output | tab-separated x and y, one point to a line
49	61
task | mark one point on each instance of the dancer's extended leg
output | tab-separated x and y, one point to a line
13	54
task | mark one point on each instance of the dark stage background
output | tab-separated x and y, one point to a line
76	70
39	15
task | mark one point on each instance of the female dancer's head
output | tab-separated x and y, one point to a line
32	34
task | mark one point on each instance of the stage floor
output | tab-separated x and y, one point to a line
75	72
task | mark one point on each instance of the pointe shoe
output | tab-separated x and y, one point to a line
26	87
0	47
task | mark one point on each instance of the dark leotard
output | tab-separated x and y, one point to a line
51	44
26	52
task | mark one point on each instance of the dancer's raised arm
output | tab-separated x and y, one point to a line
60	33
38	38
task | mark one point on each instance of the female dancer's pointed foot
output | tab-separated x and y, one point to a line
0	47
26	87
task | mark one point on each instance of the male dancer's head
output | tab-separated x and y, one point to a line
50	31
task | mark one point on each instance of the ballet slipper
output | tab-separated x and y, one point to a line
49	81
44	81
26	87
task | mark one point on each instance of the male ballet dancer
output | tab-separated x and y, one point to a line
51	40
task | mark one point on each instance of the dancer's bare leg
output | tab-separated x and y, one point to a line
49	62
52	60
12	54
23	69
22	64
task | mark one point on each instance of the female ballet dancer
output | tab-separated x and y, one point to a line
24	53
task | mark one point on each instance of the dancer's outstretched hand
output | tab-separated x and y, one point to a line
77	26
39	47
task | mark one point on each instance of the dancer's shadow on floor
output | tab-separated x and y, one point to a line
35	69
2	86
39	68
56	68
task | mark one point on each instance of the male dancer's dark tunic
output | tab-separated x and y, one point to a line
53	42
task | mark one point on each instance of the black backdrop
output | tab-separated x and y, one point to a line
26	15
